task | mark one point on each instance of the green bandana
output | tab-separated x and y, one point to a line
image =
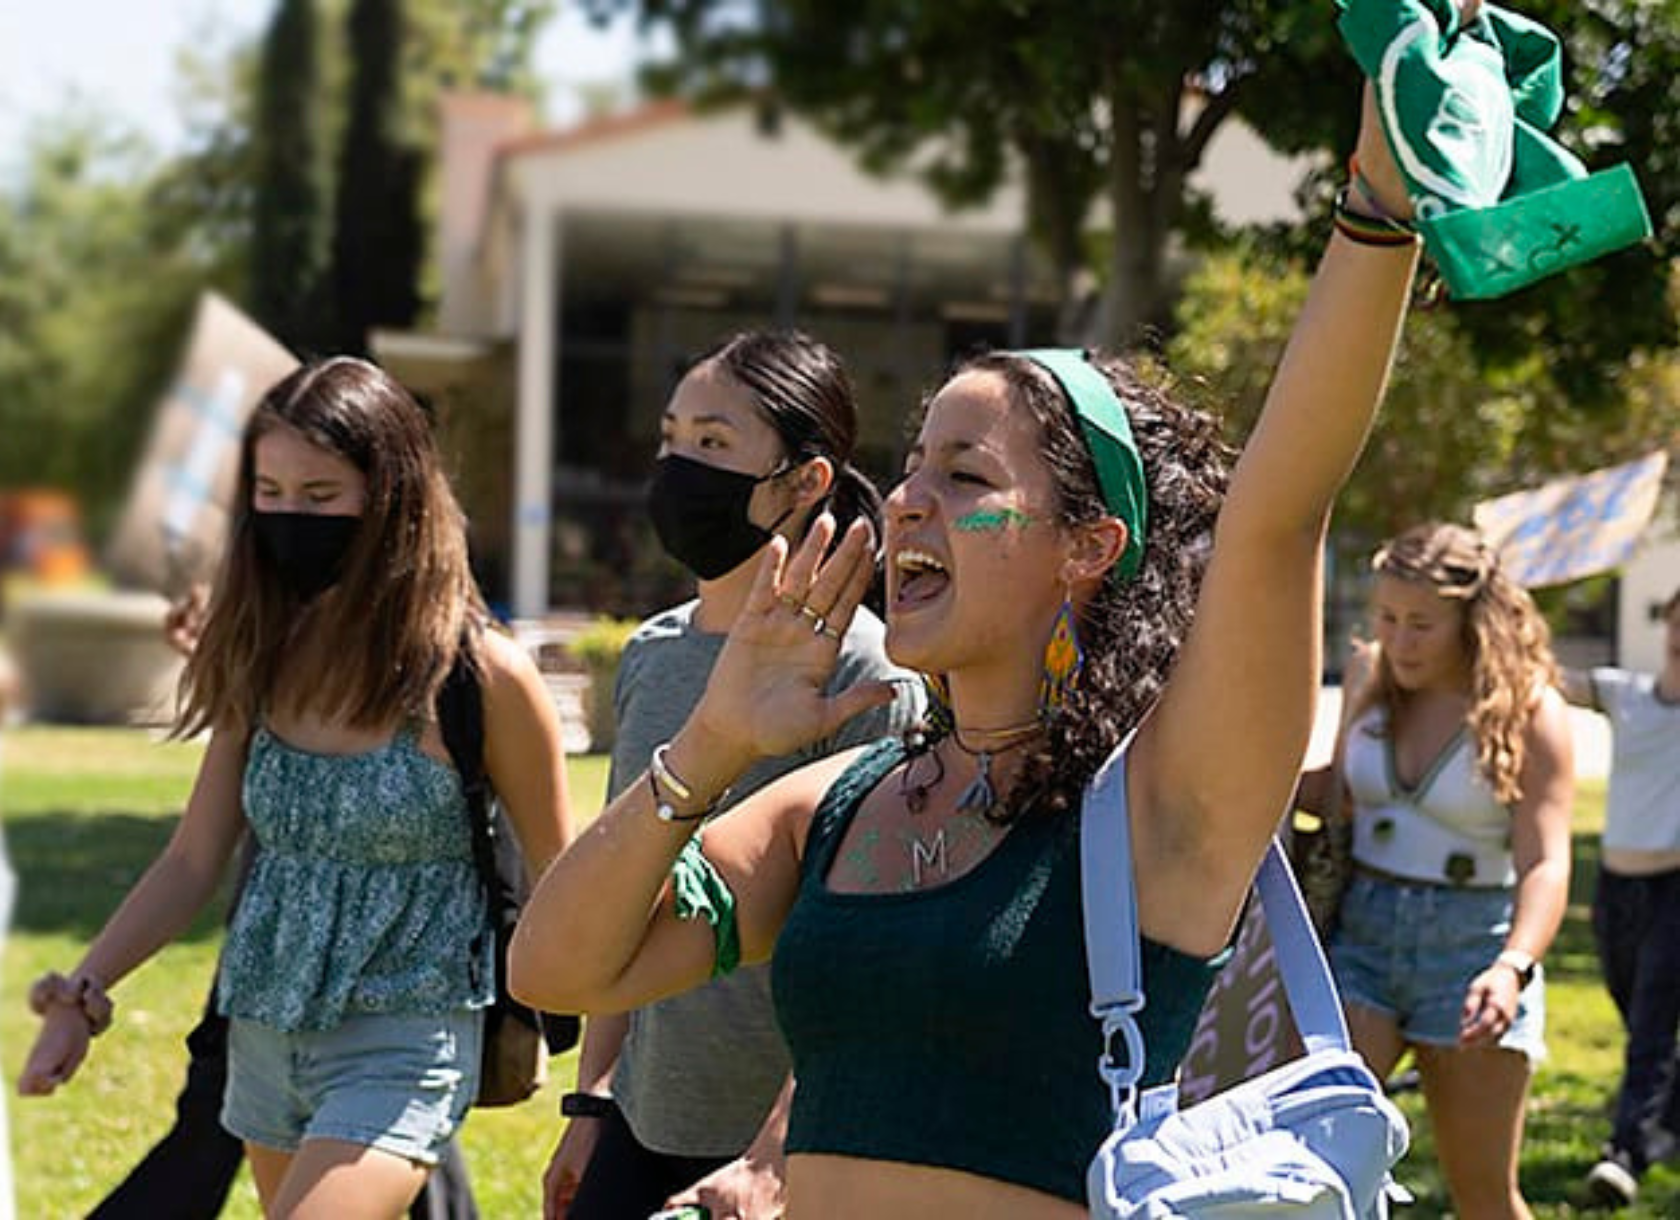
1499	203
1108	435
698	891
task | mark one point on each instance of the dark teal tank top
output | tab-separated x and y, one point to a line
952	1026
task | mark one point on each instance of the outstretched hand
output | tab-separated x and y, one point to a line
766	694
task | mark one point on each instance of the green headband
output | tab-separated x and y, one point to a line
1108	435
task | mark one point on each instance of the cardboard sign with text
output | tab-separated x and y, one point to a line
175	522
1246	1027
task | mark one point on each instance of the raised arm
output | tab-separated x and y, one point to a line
1214	767
600	932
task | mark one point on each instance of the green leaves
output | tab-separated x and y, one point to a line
98	270
1454	429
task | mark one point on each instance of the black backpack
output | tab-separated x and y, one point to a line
513	1065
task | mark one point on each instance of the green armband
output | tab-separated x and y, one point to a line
1466	109
700	893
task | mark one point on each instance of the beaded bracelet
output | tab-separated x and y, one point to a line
1360	185
1368	230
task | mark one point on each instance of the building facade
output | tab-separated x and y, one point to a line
583	270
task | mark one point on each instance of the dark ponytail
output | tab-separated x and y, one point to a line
852	496
805	393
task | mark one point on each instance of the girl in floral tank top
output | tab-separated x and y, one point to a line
360	959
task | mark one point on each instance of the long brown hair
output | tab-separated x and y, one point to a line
1503	635
375	647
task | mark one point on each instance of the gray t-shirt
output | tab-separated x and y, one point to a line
699	1071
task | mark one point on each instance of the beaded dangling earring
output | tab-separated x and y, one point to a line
1063	659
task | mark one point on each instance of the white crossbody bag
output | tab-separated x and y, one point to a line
1312	1139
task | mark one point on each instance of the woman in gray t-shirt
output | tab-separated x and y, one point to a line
756	440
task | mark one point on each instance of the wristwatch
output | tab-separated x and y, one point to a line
585	1105
1521	964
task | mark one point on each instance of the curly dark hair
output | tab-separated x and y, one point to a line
1132	630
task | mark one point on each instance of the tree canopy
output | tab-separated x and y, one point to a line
1108	104
1622	60
1112	105
106	243
102	255
1104	110
1450	433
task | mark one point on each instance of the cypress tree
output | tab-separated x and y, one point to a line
377	240
291	216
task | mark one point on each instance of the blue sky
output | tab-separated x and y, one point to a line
121	54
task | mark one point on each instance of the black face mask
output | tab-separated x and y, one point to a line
700	515
307	549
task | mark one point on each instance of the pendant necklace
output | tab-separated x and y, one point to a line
913	790
980	796
930	856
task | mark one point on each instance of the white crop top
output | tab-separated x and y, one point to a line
1447	830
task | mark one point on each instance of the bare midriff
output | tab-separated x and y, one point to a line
1632	863
845	1188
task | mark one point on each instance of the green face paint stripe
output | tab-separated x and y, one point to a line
992	520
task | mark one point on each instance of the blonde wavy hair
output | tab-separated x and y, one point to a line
1505	640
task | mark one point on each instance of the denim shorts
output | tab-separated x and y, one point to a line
1410	950
400	1083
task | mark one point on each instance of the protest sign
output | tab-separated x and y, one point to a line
1573	527
172	529
1245	1027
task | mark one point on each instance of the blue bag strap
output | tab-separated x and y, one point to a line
1306	973
1113	954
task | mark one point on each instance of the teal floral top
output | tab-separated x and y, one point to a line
363	898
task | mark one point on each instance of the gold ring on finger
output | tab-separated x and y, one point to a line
806	609
791	602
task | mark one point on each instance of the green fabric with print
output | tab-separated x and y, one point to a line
700	892
1466	109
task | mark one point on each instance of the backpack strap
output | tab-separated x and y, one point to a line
460	713
1114	956
496	854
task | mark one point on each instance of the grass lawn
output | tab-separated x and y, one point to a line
85	809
